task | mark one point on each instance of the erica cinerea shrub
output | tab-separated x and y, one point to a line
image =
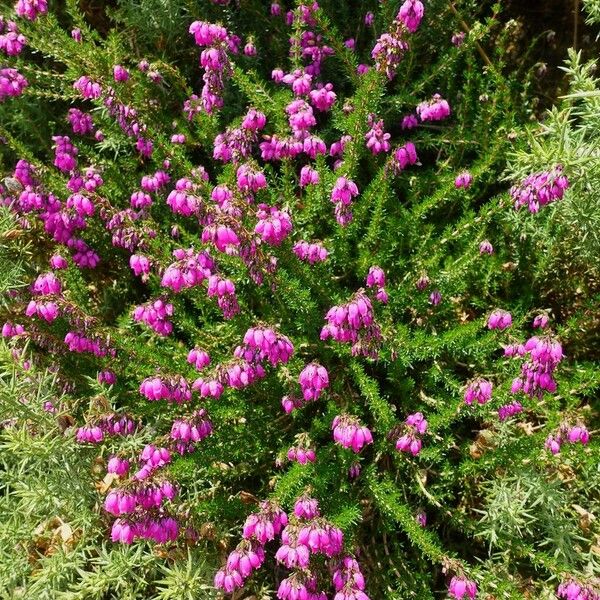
291	300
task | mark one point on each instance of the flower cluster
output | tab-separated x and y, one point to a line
261	345
436	109
377	139
140	509
348	432
414	429
95	431
539	189
485	247
569	434
78	342
12	41
403	157
543	355
117	466
265	344
509	410
175	389
313	380
187	432
156	315
199	358
310	252
341	196
64	153
107	376
190	270
460	587
45	310
479	390
391	46
301	455
249	555
575	590
499	319
376	279
31	9
12	83
217	43
463	180
10	330
81	122
183	199
88	88
354	322
348	580
273	225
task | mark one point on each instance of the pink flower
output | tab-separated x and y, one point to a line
377	138
479	390
107	377
12	83
403	157
120	73
461	587
508	410
458	38
31	9
435	297
306	508
250	179
499	319
341	195
87	88
343	191
415	426
273	225
411	13
388	53
277	75
313	379
11	41
349	433
539	189
308	176
140	264
301	455
118	466
463	180
250	49
199	358
254	120
435	109
485	247
311	253
409	122
553	444
323	97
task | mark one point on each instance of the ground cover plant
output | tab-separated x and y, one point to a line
299	301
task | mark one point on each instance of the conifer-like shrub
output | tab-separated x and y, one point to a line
297	303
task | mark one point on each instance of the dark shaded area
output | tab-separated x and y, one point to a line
555	26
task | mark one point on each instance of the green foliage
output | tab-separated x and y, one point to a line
500	509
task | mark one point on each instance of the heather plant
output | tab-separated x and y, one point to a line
279	310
